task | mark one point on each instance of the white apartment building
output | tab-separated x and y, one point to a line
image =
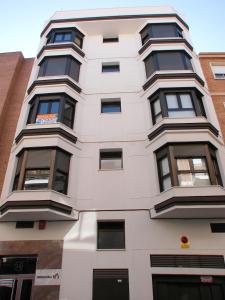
114	188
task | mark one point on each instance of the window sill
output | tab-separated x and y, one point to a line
111	250
111	169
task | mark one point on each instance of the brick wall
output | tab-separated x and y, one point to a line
216	87
14	75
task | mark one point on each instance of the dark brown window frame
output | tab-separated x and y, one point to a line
122	222
67	67
204	150
160	94
153	60
75	33
63	99
147	32
107	40
22	168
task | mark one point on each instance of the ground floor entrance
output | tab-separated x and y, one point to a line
176	287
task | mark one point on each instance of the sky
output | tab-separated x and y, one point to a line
21	21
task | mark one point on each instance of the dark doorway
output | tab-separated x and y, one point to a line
110	285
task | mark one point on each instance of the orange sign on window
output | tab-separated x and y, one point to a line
46	118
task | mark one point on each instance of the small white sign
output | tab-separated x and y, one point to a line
206	279
48	277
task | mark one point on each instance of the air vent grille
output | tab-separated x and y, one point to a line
188	261
111	273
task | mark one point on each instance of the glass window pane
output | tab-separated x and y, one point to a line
113	163
171	100
156	107
60	182
107	107
78	41
201	179
68	111
62	161
149	65
164	30
164	166
183	165
185	179
36	179
67	36
171	60
58	37
181	114
74	69
54	107
42	108
26	289
166	182
199	163
56	66
111	235
38	159
186	101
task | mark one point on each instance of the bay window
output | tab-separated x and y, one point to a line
187	165
42	169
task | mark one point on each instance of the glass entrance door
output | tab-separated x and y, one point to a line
17	288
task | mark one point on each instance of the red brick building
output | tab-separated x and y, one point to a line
14	75
213	66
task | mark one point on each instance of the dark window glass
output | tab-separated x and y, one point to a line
110	67
26	289
74	69
39	172
17	265
164	173
66	35
52	110
111	160
156	111
110	40
63	37
166	30
60	65
110	285
111	235
110	106
217	227
24	224
167	60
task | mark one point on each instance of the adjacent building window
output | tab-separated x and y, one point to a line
176	103
111	105
111	159
111	235
48	109
63	35
60	65
41	169
167	60
110	67
110	284
161	30
187	165
110	39
218	70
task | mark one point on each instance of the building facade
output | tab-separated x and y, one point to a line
114	186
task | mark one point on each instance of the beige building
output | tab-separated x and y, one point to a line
114	186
